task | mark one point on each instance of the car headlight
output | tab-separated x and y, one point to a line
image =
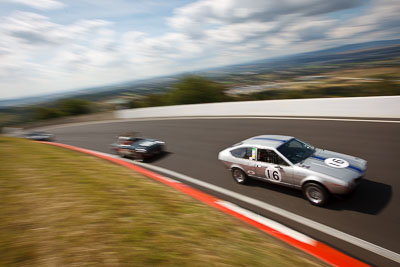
142	150
338	183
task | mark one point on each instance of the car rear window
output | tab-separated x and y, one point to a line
241	152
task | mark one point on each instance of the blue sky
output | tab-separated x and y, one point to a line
48	46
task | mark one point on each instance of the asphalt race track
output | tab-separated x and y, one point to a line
372	213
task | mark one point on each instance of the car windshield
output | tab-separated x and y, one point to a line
296	150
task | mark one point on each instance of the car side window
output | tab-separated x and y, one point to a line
270	156
242	152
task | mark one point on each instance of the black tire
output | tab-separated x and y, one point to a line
239	176
140	157
316	194
116	152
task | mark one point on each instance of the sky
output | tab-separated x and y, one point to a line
50	46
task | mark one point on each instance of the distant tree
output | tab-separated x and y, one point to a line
45	113
71	107
153	100
134	104
195	89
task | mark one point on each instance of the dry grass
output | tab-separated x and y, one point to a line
366	72
60	207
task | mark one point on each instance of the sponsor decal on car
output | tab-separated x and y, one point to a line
253	153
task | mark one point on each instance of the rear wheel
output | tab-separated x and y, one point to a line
316	194
239	176
119	153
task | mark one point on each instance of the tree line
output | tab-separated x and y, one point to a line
197	89
63	108
189	90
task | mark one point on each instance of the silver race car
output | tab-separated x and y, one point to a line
288	161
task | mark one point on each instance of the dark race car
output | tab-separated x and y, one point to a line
139	148
39	136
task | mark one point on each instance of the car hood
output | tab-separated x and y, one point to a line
145	143
335	164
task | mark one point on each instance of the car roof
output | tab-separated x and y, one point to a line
272	141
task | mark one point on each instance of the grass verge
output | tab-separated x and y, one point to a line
61	207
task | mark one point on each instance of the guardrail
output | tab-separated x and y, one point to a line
356	107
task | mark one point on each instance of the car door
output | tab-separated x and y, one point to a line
271	167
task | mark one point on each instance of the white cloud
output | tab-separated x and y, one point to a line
40	4
207	12
261	23
382	19
349	31
34	29
34	50
41	54
239	32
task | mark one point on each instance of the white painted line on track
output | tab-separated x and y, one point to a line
214	118
284	213
269	223
171	180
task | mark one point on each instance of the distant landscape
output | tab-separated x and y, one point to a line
366	69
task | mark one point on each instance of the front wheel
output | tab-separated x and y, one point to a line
239	176
139	157
316	194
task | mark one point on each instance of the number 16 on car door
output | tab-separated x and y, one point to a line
269	172
273	174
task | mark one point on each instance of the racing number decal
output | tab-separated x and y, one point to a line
273	174
337	163
253	153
